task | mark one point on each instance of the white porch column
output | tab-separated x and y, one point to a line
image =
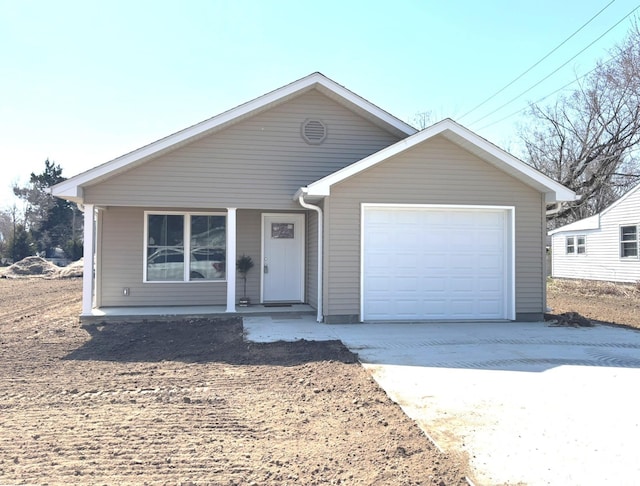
231	259
88	277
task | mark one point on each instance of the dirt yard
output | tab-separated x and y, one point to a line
601	302
190	403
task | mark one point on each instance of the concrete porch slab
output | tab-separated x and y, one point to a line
136	314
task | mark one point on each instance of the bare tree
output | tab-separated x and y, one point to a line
423	119
6	230
588	140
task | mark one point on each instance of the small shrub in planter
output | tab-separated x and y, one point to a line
243	265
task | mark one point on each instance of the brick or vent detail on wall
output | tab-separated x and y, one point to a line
314	131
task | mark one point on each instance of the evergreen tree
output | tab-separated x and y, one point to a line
52	222
20	244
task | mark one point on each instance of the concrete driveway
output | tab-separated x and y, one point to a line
529	403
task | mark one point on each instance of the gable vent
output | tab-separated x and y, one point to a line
314	132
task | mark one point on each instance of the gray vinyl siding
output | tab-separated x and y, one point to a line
122	262
602	259
256	163
312	259
249	223
436	172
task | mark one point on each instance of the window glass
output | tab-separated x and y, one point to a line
629	241
186	247
208	248
570	245
165	247
581	244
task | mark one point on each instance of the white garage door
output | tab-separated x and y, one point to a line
426	263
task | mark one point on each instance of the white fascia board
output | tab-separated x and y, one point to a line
590	223
554	191
362	103
322	187
593	222
621	199
72	192
68	187
456	133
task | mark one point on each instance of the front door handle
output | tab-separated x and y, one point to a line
266	269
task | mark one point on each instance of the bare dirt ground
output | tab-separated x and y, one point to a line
600	302
190	403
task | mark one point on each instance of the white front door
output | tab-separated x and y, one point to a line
283	257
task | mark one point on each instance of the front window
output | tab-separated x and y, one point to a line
629	241
185	247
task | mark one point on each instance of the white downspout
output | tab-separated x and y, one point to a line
318	210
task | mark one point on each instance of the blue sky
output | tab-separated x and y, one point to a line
85	81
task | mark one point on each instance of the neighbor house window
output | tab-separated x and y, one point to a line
183	247
629	241
576	245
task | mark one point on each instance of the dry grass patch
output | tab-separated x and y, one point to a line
604	302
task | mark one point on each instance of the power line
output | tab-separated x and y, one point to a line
557	69
545	57
550	94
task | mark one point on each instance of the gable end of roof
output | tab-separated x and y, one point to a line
71	188
466	139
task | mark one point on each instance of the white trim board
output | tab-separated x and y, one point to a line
466	139
510	267
72	188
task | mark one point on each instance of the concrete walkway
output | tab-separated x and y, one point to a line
529	403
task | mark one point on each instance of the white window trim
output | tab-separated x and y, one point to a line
187	246
637	241
576	245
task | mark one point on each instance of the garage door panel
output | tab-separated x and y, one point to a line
462	308
433	284
490	285
434	261
488	307
490	261
436	307
378	284
462	284
438	263
406	260
406	285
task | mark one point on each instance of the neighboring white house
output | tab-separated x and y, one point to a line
604	246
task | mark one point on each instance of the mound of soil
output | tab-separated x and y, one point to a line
32	266
571	319
35	266
74	269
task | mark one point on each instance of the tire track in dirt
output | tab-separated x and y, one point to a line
190	402
59	300
77	431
